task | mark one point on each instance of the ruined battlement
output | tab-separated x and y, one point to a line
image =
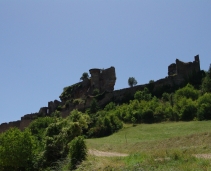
104	80
28	118
183	69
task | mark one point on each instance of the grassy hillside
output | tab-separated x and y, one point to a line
163	146
149	131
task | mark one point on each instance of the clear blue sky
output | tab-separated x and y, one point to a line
47	45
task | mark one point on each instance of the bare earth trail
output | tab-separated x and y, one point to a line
115	154
106	154
205	156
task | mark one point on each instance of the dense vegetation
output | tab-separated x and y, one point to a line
53	142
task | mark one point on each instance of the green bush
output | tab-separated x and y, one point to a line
56	114
93	107
110	106
166	97
77	152
147	116
67	103
188	111
105	125
39	125
143	95
78	101
17	150
57	137
81	118
188	92
204	107
96	92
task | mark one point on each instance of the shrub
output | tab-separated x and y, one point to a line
81	118
57	137
59	108
105	125
96	92
165	97
147	116
186	109
67	103
78	101
204	107
56	114
110	106
77	152
39	125
93	107
188	92
16	150
143	95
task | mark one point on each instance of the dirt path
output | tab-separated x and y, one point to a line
205	156
115	154
106	154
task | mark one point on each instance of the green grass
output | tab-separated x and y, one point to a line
149	134
163	146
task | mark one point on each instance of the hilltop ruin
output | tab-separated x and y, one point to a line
80	95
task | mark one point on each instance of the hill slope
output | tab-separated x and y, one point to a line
154	147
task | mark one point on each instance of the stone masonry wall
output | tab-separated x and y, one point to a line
105	81
28	118
183	69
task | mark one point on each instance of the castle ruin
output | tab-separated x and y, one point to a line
104	80
184	69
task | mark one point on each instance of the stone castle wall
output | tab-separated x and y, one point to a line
102	79
21	124
183	69
28	118
105	80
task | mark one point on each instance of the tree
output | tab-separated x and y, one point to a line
132	81
84	76
204	107
38	126
16	150
57	137
206	82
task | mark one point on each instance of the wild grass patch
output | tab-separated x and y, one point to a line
163	146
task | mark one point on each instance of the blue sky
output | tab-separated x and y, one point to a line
47	45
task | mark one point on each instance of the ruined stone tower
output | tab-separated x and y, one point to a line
183	69
103	79
95	78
